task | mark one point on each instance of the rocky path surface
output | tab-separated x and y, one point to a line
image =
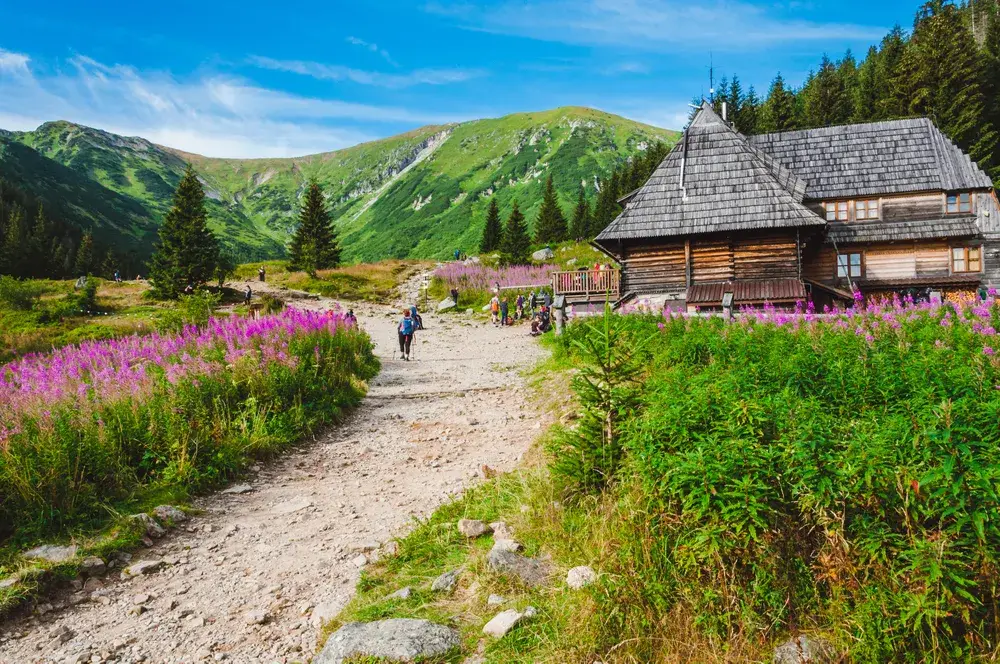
251	578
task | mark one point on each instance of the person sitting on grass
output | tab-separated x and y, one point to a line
406	328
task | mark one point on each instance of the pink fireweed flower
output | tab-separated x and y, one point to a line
988	350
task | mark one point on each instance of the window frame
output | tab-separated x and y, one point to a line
958	204
872	208
966	259
846	209
849	265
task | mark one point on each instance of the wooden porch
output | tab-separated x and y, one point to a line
587	285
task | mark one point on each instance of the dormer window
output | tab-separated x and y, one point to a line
958	203
866	210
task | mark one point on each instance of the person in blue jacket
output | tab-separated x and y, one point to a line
407	327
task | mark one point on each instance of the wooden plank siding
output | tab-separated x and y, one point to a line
912	208
656	268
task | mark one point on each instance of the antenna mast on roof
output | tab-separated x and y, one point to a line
711	78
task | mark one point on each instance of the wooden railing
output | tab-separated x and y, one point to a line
587	282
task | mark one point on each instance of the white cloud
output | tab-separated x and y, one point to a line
214	115
661	25
341	73
373	48
14	63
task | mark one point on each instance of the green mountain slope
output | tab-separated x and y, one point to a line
421	194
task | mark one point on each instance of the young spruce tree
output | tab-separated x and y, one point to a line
493	230
580	226
516	244
551	225
187	251
84	256
315	245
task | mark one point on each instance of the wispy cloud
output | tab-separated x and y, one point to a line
15	63
373	48
216	115
630	67
361	77
662	25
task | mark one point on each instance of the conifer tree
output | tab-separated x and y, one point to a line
515	246
941	75
550	228
607	202
187	251
779	109
869	90
991	69
580	226
826	98
84	256
12	245
891	52
40	245
493	230
315	245
749	119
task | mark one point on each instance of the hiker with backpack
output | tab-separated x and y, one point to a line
495	309
406	328
503	312
418	321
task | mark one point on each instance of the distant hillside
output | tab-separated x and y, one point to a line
421	194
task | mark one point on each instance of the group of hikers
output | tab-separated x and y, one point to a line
538	305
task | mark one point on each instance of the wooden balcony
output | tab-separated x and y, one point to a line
590	285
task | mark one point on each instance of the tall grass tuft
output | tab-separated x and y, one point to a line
792	472
87	427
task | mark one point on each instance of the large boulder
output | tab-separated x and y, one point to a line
804	649
150	526
543	255
472	528
446	304
51	553
530	571
395	640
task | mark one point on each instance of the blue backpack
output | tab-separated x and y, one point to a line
406	326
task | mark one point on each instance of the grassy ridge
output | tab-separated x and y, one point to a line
436	206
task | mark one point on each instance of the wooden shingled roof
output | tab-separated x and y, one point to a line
839	232
727	185
892	157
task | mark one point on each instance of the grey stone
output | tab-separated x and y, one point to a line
804	649
51	553
402	593
93	566
170	514
238	489
9	581
398	640
495	600
472	528
501	531
543	255
446	304
529	570
446	582
323	612
580	577
510	545
502	623
142	568
152	526
257	617
62	634
361	560
292	506
363	547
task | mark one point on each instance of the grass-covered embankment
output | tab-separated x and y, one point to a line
735	484
368	282
95	430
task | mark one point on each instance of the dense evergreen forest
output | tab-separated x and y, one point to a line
35	245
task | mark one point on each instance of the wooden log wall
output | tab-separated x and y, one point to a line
654	269
711	261
883	261
912	208
766	258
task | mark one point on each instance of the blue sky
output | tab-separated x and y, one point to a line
291	78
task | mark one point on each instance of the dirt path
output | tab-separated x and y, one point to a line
288	551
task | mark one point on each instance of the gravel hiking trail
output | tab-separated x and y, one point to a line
252	576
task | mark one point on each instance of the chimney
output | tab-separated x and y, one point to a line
725	110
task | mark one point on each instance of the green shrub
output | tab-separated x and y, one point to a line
20	295
841	475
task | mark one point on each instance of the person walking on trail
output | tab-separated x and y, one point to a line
350	318
495	309
406	328
261	274
417	320
247	295
503	311
519	307
532	302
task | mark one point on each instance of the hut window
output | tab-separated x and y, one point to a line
966	259
959	203
836	211
867	209
848	265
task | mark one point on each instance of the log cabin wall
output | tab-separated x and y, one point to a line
889	261
662	268
912	208
655	268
